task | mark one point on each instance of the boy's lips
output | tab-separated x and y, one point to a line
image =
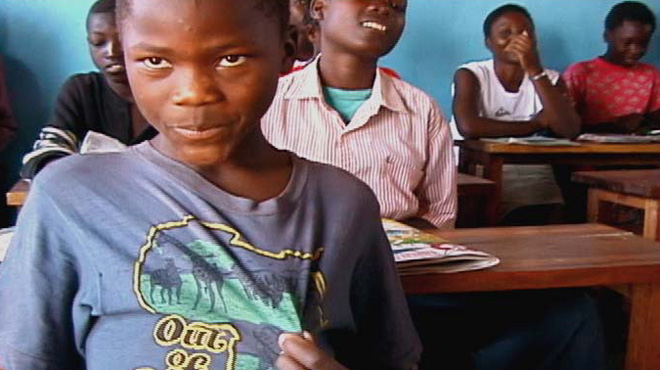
374	25
115	68
199	133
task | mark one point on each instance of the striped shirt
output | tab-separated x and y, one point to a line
398	142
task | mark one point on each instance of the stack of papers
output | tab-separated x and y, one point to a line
417	252
619	138
533	140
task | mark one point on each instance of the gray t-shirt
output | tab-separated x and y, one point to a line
134	261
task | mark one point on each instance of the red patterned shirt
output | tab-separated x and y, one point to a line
603	91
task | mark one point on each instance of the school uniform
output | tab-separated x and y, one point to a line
397	142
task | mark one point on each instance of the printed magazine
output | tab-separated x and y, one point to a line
417	252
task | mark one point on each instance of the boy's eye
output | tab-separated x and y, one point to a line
232	61
96	42
156	63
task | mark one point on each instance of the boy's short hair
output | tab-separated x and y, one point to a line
307	16
629	11
507	8
101	7
278	8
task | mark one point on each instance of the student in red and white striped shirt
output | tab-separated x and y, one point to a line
343	110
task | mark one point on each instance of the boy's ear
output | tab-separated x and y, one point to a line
606	36
487	43
290	48
316	9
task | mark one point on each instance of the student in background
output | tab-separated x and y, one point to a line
343	110
202	246
616	92
8	125
513	95
305	30
8	128
95	101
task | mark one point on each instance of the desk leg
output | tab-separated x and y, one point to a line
651	219
493	172
599	206
466	163
644	331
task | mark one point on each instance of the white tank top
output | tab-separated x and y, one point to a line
522	185
496	102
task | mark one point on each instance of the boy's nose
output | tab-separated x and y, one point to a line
636	49
196	89
113	49
380	5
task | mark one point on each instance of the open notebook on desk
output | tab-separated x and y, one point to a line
417	252
532	140
619	138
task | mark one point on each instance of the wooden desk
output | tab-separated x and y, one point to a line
492	156
473	193
18	193
633	188
559	256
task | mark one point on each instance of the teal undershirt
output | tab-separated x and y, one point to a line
345	102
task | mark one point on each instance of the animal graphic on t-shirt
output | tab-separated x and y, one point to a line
168	279
266	286
207	275
226	289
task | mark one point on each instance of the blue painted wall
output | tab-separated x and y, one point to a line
43	42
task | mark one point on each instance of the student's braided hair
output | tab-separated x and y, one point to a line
271	8
507	8
101	7
629	11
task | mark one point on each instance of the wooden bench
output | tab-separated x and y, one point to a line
473	193
632	188
18	193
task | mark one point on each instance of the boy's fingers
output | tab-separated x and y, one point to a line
284	362
307	335
305	352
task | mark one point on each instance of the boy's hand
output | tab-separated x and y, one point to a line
630	123
524	48
301	353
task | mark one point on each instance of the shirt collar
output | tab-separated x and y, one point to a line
306	84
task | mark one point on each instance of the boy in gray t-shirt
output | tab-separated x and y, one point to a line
200	248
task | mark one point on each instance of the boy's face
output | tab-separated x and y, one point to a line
628	43
503	30
104	46
304	47
362	27
203	72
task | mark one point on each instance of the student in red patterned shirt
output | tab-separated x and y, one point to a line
616	92
613	93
